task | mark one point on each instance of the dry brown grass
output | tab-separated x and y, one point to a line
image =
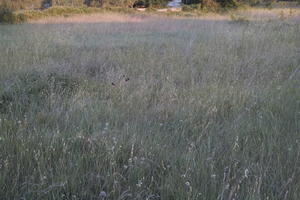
91	18
251	14
292	14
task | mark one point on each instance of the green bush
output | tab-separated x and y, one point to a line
228	3
94	3
190	8
133	3
157	3
253	2
205	5
210	6
68	2
7	15
23	4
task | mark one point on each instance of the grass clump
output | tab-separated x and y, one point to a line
69	11
239	19
34	89
60	11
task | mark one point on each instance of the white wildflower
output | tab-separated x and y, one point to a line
130	160
236	143
246	173
227	187
139	184
103	194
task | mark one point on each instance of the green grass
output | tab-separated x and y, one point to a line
68	11
211	110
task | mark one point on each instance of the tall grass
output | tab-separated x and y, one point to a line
163	109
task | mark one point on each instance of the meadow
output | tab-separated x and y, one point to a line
143	106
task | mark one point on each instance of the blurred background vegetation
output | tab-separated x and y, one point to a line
40	4
18	11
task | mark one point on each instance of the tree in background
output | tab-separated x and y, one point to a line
22	4
67	2
94	3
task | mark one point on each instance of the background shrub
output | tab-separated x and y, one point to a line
190	8
210	5
228	3
8	16
23	4
68	2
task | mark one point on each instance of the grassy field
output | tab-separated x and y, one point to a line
150	107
